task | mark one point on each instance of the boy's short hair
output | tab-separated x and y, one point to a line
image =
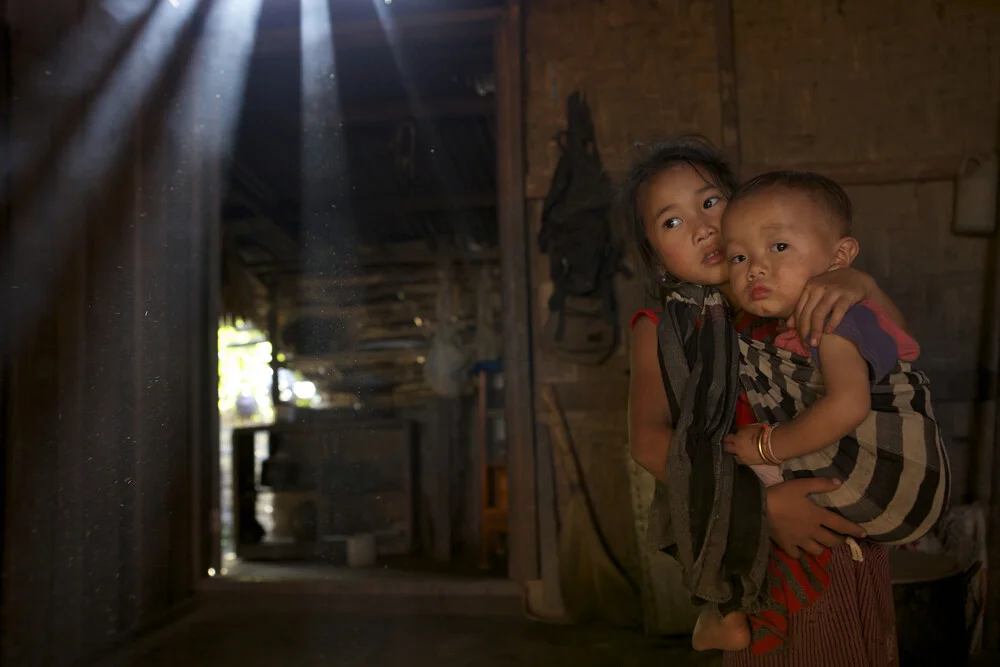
819	188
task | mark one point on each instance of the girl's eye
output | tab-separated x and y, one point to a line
670	223
737	259
779	247
711	201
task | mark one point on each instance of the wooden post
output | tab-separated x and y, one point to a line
6	348
272	334
727	81
516	317
991	630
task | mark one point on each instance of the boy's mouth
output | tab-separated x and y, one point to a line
758	292
713	258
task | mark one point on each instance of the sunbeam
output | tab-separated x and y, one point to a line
77	172
327	218
76	72
212	93
447	180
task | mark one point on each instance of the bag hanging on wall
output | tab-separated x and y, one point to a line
582	326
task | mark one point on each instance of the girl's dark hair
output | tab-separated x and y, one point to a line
655	157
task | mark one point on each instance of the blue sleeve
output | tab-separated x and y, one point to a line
861	326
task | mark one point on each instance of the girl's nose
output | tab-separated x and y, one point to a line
705	231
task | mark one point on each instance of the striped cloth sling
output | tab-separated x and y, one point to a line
894	467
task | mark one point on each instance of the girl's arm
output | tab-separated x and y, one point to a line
882	300
846	403
830	295
649	424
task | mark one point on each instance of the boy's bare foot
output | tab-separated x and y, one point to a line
728	633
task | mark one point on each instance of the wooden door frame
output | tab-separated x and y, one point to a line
6	349
522	545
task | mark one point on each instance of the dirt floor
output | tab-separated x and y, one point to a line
289	639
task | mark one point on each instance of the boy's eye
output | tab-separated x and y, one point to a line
779	247
711	201
737	259
670	223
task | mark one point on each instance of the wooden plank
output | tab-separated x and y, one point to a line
208	235
34	610
516	296
146	475
991	629
6	336
425	27
388	260
876	172
548	527
437	488
991	623
101	434
725	47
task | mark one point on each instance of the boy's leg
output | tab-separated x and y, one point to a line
728	633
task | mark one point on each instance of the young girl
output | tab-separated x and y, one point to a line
672	201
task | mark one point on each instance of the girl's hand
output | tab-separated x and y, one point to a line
798	524
743	445
829	295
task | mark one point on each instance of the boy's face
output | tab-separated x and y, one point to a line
776	241
681	214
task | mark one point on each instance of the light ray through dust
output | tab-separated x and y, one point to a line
447	180
76	69
328	233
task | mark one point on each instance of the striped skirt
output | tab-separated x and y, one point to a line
852	624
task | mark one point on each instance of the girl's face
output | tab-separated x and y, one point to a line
681	213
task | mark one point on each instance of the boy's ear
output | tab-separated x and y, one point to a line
847	250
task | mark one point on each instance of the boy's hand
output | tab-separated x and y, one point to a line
743	445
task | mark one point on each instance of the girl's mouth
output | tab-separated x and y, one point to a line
713	258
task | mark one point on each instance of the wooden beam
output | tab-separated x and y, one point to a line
268	234
453	108
516	313
366	208
875	172
366	262
426	27
427	203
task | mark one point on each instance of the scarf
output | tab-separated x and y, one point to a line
710	513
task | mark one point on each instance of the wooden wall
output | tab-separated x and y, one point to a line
109	345
885	96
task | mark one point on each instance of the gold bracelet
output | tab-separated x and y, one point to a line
770	451
763	434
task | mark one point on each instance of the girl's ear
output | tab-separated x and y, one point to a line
847	249
661	273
